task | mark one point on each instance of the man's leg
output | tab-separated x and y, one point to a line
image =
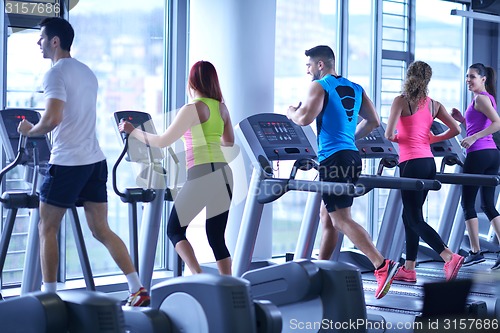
384	269
48	227
329	235
97	219
343	221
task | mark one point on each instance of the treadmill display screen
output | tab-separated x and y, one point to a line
12	121
137	121
440	148
376	136
276	133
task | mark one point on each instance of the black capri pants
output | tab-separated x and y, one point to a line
413	217
208	186
480	162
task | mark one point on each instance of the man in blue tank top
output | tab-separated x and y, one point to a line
335	103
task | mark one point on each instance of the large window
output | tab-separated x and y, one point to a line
25	69
439	41
360	70
300	25
122	41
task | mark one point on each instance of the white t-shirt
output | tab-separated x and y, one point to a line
74	139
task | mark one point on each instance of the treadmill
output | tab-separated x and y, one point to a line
405	301
482	297
270	137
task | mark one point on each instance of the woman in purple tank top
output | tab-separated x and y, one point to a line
481	120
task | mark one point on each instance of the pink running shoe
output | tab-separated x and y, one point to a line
384	277
452	267
406	275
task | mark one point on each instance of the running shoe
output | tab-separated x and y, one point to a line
384	277
139	298
452	267
497	263
473	258
406	275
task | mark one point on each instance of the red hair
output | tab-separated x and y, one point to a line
203	78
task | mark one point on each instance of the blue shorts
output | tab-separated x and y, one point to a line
344	166
67	186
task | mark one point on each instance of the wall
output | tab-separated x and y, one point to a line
238	37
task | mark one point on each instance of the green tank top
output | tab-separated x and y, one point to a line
202	142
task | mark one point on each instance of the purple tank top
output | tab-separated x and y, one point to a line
476	121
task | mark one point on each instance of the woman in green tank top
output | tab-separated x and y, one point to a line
205	126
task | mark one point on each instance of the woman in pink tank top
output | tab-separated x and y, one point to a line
481	120
412	114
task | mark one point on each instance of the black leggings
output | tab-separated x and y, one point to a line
413	218
208	186
215	228
482	162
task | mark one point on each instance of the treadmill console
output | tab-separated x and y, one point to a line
270	133
276	137
446	148
138	151
271	136
9	121
375	145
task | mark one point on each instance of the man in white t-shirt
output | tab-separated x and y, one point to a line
77	171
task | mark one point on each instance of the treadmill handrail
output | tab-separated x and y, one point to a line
115	167
321	187
272	189
21	151
468	179
399	183
131	195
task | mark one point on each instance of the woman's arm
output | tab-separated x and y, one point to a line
396	109
447	119
186	118
228	134
483	104
457	115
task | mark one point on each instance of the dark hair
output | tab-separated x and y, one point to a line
418	76
489	73
203	78
57	26
323	53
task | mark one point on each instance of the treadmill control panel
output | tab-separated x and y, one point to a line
276	137
138	151
270	133
273	136
375	145
9	121
442	148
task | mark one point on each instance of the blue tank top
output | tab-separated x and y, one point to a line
336	124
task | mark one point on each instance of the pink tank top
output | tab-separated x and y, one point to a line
413	133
